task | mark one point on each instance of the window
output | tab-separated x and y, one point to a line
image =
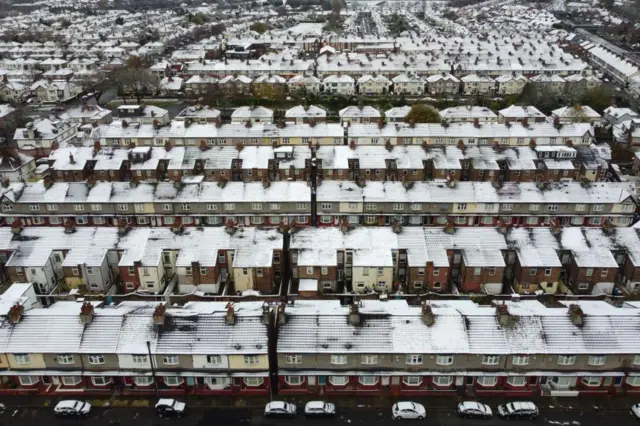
143	380
185	206
96	359
442	380
140	359
34	207
487	381
547	272
477	271
166	207
413	359
416	207
636	360
338	359
7	207
369	359
294	359
507	207
552	207
257	220
490	359
253	381
589	272
170	359
172	380
368	380
597	359
591	380
492	271
324	270
71	380
462	206
100	380
75	272
123	207
214	359
566	360
338	380
581	207
412	380
294	380
65	359
633	380
256	206
22	359
301	206
398	206
520	360
517	380
229	206
534	207
309	270
598	207
28	380
604	272
251	359
444	359
52	207
325	206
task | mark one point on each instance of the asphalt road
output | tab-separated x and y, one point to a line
352	417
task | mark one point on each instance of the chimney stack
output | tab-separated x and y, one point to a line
230	318
576	314
428	317
504	318
158	314
86	313
282	317
266	314
15	313
354	314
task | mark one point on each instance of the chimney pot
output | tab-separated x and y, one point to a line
230	318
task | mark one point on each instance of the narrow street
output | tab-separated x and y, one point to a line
203	416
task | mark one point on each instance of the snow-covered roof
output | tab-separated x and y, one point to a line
468	113
310	111
460	327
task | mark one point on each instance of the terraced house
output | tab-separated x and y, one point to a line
370	203
457	347
74	348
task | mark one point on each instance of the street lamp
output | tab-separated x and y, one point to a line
153	371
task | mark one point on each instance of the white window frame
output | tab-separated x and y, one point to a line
214	359
294	380
369	359
338	380
65	359
251	359
339	359
589	381
411	380
140	359
28	380
517	380
143	380
486	381
71	380
22	359
293	359
520	360
490	359
170	359
438	379
172	381
253	381
96	359
444	359
368	380
100	380
597	360
414	359
566	359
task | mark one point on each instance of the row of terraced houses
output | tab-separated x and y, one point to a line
517	348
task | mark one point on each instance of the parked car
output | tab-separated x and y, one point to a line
166	407
280	409
319	409
72	407
635	410
408	410
472	409
518	410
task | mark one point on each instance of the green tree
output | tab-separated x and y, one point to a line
259	27
598	98
421	113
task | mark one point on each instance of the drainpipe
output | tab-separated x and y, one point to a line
153	370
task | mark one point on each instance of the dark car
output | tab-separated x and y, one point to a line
170	408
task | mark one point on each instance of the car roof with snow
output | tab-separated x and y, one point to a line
472	405
406	405
67	403
523	405
315	404
276	404
165	401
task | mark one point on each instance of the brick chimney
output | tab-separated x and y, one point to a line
158	314
86	313
428	317
354	314
15	313
504	317
230	318
576	314
266	314
282	316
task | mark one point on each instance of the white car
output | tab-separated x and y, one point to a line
72	407
280	409
518	410
319	409
408	410
167	407
635	410
472	409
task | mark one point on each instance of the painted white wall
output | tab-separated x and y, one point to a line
200	361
